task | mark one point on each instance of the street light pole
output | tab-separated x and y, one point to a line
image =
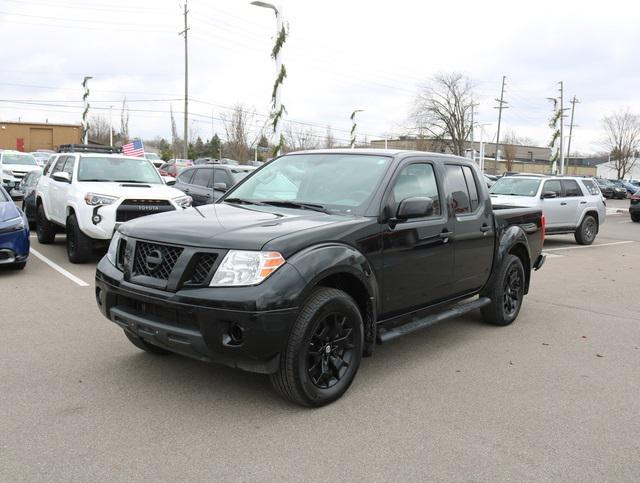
281	73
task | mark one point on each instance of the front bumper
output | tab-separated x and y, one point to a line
201	323
14	247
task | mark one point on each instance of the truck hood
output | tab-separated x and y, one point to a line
133	190
227	226
23	168
8	211
509	200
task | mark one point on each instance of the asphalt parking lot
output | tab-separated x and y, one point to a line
552	397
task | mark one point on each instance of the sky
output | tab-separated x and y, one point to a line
340	56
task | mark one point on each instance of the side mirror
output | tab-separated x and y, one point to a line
220	186
415	207
62	177
549	194
169	182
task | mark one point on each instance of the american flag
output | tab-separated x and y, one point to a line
136	148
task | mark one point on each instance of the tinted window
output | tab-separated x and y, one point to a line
553	185
592	188
202	177
571	187
458	188
223	177
416	180
185	177
472	187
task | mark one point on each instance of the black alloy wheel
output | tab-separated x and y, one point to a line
512	291
330	352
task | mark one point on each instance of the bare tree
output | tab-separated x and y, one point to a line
622	140
236	126
329	140
443	110
99	128
124	121
300	138
510	146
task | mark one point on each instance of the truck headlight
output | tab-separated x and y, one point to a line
242	267
112	252
183	201
93	199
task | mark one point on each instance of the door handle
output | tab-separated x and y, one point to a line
444	234
485	228
564	203
583	202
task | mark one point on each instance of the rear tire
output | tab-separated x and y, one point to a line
324	350
142	344
45	230
18	266
587	231
79	245
506	294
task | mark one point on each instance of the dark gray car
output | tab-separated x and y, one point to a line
199	181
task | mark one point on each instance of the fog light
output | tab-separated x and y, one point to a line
96	219
236	334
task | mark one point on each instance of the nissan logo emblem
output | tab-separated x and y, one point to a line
153	260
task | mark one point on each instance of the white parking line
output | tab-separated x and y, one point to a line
589	246
58	268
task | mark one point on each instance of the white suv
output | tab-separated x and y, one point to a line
88	195
569	204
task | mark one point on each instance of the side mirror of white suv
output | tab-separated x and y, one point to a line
62	177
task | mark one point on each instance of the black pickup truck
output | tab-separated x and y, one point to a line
316	257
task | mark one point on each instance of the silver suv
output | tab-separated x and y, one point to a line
569	204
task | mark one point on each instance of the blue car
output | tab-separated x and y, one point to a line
14	234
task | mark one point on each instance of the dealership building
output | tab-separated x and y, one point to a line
28	136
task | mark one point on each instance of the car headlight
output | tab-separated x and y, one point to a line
93	199
15	224
7	172
112	252
183	201
242	267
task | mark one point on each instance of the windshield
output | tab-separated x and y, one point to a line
24	159
515	187
123	170
340	182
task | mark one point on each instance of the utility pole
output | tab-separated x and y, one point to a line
185	150
574	101
473	111
561	127
500	107
110	125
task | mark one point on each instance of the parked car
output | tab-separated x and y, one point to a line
634	207
203	181
173	168
301	268
570	204
154	158
89	192
14	234
488	180
27	193
41	157
14	165
610	190
628	187
204	161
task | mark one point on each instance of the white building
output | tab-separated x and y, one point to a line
608	170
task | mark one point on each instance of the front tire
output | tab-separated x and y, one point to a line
79	245
587	231
45	230
506	294
324	350
635	218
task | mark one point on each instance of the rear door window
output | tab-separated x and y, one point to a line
571	188
457	187
471	186
591	186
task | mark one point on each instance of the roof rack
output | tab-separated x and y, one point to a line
88	148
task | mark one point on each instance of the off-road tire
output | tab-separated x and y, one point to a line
79	245
496	312
45	230
294	378
587	231
142	344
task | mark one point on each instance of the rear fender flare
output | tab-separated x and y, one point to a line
512	237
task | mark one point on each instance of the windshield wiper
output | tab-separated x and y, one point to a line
297	204
241	201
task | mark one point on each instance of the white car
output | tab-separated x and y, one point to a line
569	204
14	166
154	158
88	195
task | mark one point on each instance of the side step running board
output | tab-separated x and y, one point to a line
417	324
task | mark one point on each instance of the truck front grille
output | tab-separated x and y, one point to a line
202	268
155	260
131	209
